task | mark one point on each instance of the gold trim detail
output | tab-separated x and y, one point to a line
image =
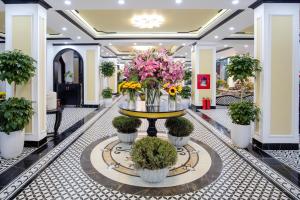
152	115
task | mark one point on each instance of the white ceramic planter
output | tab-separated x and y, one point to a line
11	145
185	103
178	141
153	176
241	135
107	102
127	137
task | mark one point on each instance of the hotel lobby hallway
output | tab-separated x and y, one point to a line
209	167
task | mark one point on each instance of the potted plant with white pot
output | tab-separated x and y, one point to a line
186	96
243	113
152	158
15	113
179	130
107	69
127	128
107	97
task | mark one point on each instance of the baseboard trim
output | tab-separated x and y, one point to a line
201	107
35	143
275	146
90	106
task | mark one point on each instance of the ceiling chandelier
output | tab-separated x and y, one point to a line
146	21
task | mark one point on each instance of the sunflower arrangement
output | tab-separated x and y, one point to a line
130	87
2	95
172	90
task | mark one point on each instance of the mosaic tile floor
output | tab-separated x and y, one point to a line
242	176
289	157
220	115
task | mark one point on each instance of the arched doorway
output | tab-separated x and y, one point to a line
68	77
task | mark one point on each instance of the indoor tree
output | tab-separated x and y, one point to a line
107	69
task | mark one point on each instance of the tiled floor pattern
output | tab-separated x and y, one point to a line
220	115
69	117
64	178
289	157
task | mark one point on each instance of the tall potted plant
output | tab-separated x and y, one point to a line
15	113
241	68
152	158
107	69
186	94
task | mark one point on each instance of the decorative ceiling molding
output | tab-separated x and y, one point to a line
260	2
40	2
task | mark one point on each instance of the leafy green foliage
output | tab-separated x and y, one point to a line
126	124
15	114
107	69
186	92
179	127
241	67
16	67
153	153
187	75
107	93
243	113
68	74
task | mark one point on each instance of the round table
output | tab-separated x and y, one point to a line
152	113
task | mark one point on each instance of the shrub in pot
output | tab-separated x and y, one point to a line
180	129
127	128
242	114
16	68
152	158
107	97
15	114
186	94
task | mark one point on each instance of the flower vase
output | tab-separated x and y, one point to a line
131	100
152	97
172	103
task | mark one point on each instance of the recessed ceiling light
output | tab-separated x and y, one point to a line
68	2
234	2
121	2
134	44
225	45
110	44
78	37
160	44
246	46
66	42
146	21
64	28
186	53
183	44
106	53
178	1
216	37
231	28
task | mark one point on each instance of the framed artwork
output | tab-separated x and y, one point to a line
203	81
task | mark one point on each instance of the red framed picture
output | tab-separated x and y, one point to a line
203	81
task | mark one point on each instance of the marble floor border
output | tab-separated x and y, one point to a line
289	187
23	177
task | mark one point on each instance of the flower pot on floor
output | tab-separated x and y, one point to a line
179	141
153	176
127	137
12	144
107	102
241	135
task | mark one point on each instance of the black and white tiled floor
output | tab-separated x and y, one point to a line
242	176
289	157
70	117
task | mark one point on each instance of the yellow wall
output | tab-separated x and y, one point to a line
281	74
257	80
42	84
22	40
206	67
90	69
112	82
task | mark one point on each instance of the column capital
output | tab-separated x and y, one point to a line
260	2
40	2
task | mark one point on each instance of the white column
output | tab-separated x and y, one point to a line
276	88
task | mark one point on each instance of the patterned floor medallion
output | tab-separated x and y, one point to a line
110	164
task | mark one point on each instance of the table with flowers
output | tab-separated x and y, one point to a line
151	73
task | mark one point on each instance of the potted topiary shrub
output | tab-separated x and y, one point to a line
16	68
186	96
152	158
15	114
107	97
127	128
241	68
179	132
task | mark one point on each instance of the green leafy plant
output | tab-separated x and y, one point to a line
187	75
16	67
186	92
153	153
107	93
15	114
68	74
107	68
243	113
179	126
126	124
